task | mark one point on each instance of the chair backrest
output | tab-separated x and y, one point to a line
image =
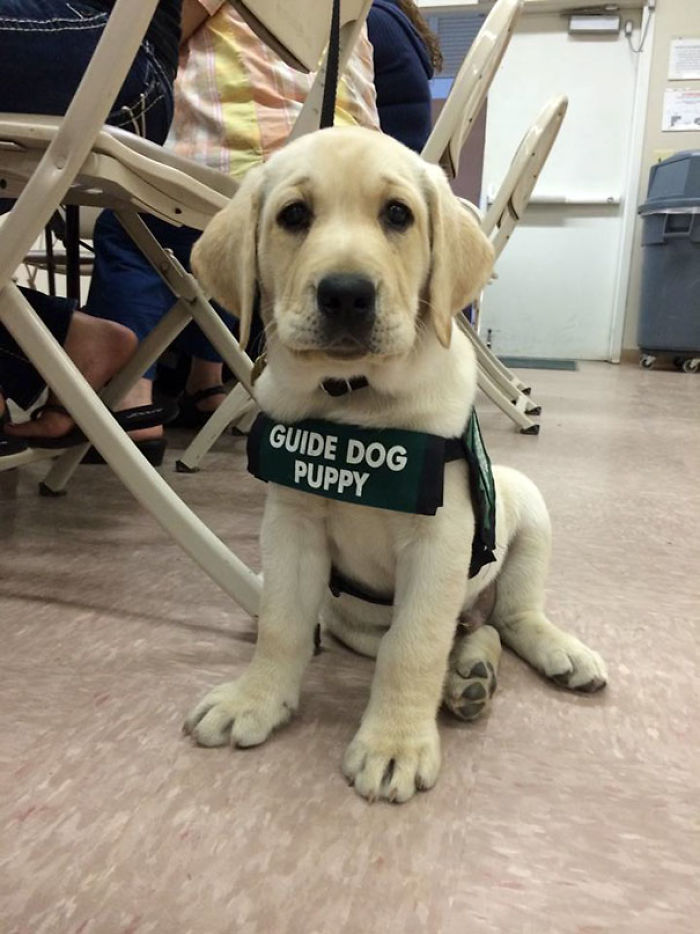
471	86
353	14
84	119
513	196
297	29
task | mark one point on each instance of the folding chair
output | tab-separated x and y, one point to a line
444	146
238	409
46	161
505	212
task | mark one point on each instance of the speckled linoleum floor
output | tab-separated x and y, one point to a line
557	814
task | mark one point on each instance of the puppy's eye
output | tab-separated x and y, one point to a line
397	215
295	217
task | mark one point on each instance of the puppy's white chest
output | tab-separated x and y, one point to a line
363	544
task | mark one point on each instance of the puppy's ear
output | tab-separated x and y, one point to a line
224	259
461	255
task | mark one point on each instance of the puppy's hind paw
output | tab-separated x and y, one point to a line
471	674
573	665
468	696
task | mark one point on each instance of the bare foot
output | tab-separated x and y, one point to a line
99	349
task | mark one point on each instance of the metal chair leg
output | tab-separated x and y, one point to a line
236	405
489	388
498	370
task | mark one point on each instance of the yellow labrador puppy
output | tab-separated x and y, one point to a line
363	256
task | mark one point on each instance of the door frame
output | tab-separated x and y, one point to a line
630	195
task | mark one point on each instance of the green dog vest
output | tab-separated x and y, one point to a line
386	468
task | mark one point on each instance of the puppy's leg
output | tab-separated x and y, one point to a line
397	747
471	673
359	628
296	568
519	612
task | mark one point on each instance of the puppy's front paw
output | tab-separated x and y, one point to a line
382	764
238	713
572	664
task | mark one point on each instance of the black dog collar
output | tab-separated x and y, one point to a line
341	387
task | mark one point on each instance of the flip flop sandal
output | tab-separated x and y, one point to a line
153	449
192	417
142	416
9	444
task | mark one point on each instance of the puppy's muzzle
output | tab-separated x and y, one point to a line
346	303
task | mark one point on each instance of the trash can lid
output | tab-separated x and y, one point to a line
670	206
674	185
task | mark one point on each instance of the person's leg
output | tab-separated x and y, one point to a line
125	288
205	375
203	390
37	76
99	349
141	394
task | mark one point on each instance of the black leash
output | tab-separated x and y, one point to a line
331	82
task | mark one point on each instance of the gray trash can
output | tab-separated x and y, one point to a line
669	316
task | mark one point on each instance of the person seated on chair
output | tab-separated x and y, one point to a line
46	47
406	55
236	102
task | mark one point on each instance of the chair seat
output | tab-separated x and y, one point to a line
177	189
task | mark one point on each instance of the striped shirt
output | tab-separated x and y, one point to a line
236	101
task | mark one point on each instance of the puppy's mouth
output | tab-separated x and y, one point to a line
334	346
347	348
341	350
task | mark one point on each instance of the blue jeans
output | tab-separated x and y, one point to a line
45	47
125	287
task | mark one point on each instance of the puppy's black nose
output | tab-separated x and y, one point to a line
346	298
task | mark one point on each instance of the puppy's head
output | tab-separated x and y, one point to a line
354	242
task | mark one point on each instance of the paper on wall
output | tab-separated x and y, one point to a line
684	60
681	109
